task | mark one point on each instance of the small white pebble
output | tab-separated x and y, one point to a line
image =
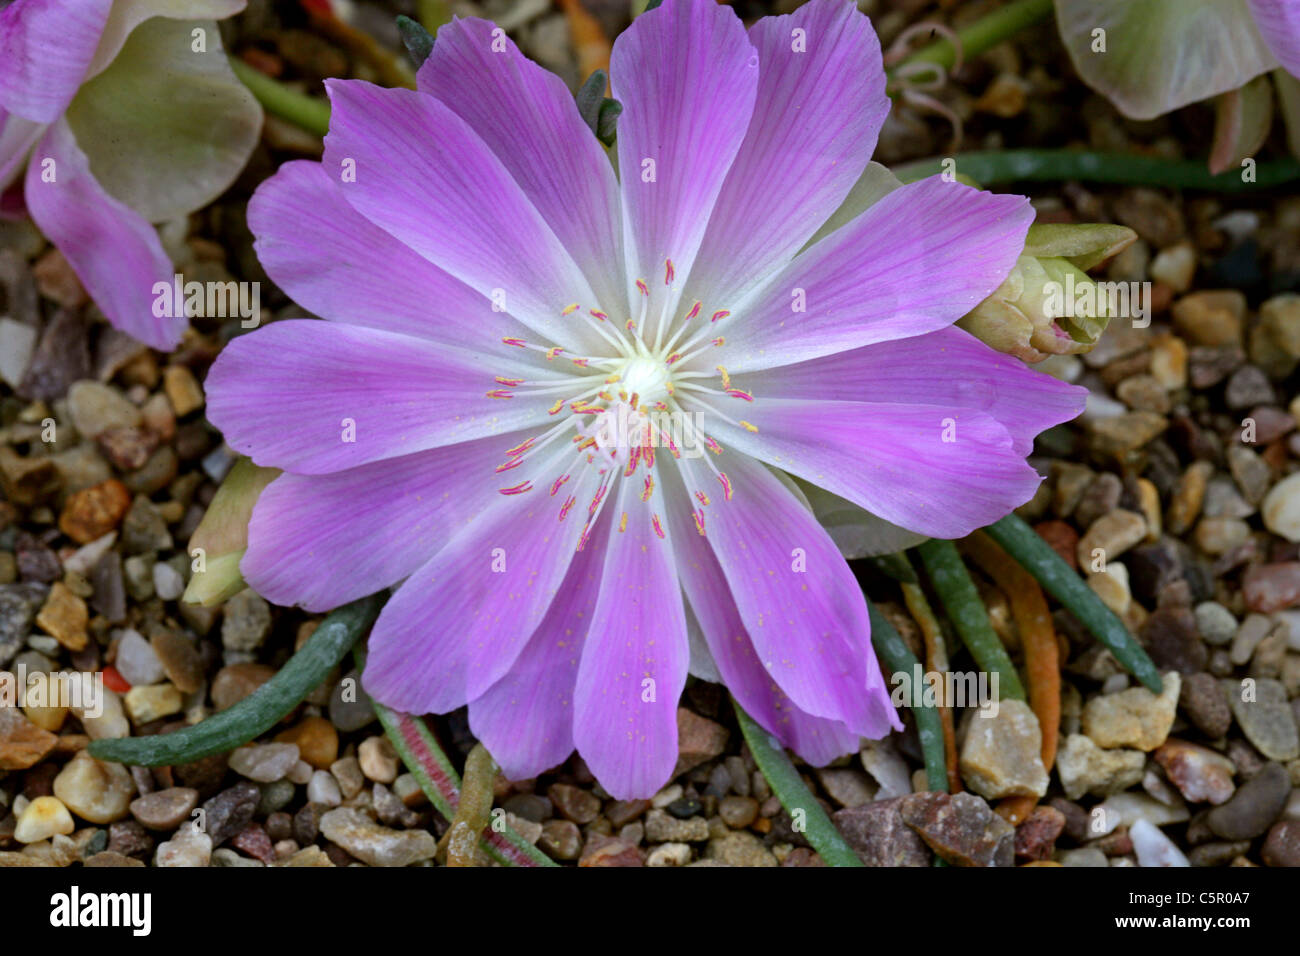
323	788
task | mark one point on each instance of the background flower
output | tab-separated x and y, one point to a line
120	122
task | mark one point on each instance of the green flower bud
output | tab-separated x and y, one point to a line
220	540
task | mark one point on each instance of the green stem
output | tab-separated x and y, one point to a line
893	650
1054	165
794	796
956	590
304	111
986	32
1058	579
260	710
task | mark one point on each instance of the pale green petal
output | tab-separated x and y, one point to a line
166	129
857	533
1288	103
1243	119
126	15
1163	54
875	182
1084	244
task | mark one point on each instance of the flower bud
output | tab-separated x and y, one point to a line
219	542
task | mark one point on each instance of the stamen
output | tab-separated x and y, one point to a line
698	515
558	481
659	529
726	485
669	272
740	393
642	287
499	393
622	525
695	310
649	487
511	382
518	489
564	510
570	309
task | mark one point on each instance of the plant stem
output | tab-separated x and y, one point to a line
899	659
987	167
1059	580
302	110
968	614
794	796
986	32
260	710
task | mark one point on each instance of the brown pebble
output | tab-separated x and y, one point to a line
95	511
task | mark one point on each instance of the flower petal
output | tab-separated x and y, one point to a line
1160	55
917	260
815	739
126	15
334	261
687	76
319	541
17	137
635	659
526	718
45	50
114	252
459	622
528	118
820	105
800	604
1279	25
317	397
937	469
452	201
949	367
167	129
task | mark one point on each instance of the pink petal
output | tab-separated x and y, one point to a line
815	739
1279	25
917	260
687	76
635	659
17	137
820	105
114	252
45	51
452	201
948	367
459	622
317	397
528	118
526	718
318	541
334	261
795	595
893	460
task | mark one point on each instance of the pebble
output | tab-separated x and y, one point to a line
1203	701
225	857
144	704
739	848
1253	630
111	720
1217	853
1170	638
1248	386
317	740
264	763
164	809
1251	473
662	827
1002	753
41	819
560	840
236	681
378	846
22	743
1254	806
1112	534
1084	856
1112	587
1215	623
1281	508
65	617
1267	719
1211	317
349	709
1036	836
246	621
603	851
183	390
1175	266
669	854
887	768
1134	717
1271	587
1217	536
1188	497
961	828
1153	848
1200	774
97	791
347	771
1085	768
144	529
17	343
1282	845
231	810
95	408
846	786
188	847
698	740
180	660
740	812
324	789
1126	809
91	513
378	759
128	838
167	582
136	660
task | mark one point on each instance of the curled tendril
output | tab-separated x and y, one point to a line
913	82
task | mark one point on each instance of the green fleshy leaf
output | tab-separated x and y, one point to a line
418	40
167	128
598	111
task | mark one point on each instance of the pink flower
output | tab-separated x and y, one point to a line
499	297
121	117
